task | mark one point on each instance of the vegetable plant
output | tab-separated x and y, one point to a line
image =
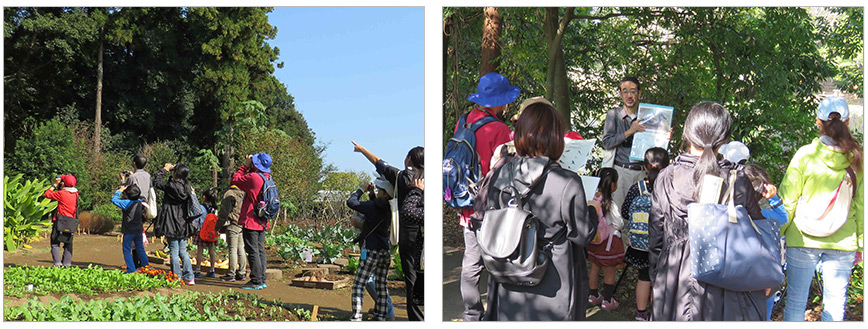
24	211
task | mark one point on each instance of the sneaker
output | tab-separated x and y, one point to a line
239	277
610	304
211	274
191	282
197	274
227	278
251	285
595	300
641	316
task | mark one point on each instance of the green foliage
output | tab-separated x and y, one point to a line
61	280
397	267
192	306
326	242
51	149
24	211
352	265
295	167
108	210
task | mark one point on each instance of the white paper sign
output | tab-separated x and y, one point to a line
576	153
589	184
657	120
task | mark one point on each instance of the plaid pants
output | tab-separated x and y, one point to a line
377	263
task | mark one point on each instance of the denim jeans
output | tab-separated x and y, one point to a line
178	249
371	288
835	267
127	245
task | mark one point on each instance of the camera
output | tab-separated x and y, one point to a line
126	180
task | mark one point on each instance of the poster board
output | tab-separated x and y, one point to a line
658	121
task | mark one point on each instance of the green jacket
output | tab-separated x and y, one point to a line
818	169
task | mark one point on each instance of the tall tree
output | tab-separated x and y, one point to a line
557	83
491	30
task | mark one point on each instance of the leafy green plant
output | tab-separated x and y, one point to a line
193	306
399	270
90	280
352	265
109	211
24	211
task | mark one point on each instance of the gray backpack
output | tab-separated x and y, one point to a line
513	250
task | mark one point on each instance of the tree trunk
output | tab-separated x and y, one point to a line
492	26
557	82
447	32
98	115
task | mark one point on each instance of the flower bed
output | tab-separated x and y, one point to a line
91	280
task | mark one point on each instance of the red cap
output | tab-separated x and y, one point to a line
68	180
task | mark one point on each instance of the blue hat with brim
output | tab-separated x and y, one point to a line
262	161
494	90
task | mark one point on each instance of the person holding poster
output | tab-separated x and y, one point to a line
618	131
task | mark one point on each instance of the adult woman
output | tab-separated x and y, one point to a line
558	200
171	221
815	172
676	294
409	231
66	196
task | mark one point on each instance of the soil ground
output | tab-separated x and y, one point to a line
105	251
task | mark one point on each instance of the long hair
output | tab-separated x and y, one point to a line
608	177
707	127
181	173
417	157
656	158
840	133
210	196
539	131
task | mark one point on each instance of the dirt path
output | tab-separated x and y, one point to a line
105	251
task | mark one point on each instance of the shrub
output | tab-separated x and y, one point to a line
95	223
108	210
24	211
295	167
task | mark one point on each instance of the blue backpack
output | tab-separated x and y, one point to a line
268	204
461	169
639	213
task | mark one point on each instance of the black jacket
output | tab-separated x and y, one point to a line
378	218
171	219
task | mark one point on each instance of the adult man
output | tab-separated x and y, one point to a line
493	94
247	179
142	179
618	133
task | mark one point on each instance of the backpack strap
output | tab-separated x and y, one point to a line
643	187
852	176
478	123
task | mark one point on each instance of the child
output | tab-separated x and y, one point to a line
772	208
606	251
131	226
637	207
227	219
375	246
209	200
357	221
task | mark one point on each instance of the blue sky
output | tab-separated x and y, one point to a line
357	73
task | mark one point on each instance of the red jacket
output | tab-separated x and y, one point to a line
251	184
488	138
65	202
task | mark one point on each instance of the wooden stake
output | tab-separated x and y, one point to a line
314	313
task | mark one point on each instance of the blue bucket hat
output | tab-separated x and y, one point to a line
262	161
494	90
833	104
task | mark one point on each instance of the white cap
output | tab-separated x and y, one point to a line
383	184
735	151
833	104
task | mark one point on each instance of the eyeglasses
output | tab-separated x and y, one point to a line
633	92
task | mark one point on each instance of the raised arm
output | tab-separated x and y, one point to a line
370	156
